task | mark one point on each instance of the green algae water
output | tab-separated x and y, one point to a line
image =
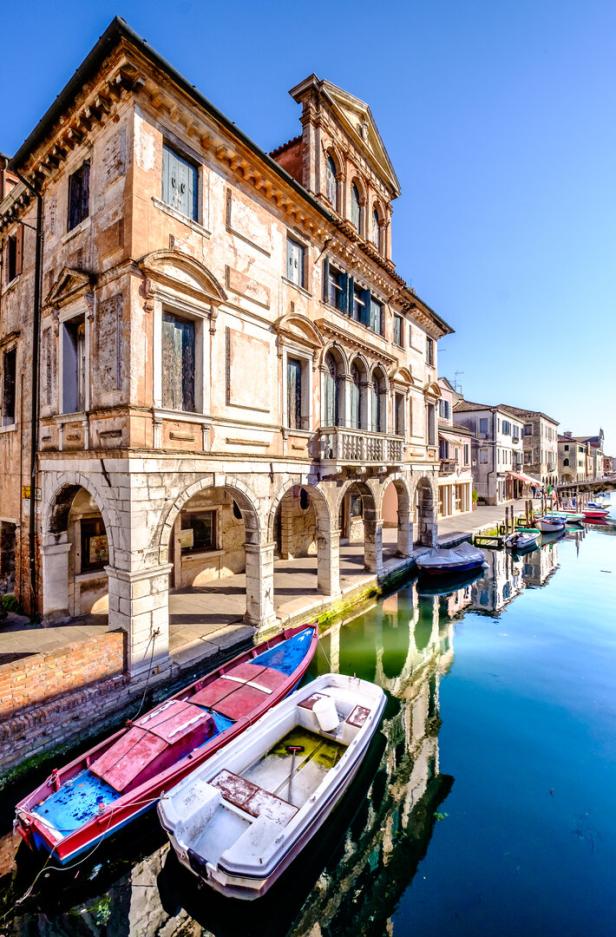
487	805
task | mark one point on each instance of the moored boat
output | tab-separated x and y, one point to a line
120	778
550	524
521	540
595	514
443	561
239	820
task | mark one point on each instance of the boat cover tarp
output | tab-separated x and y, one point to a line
287	656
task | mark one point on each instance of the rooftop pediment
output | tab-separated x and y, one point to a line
68	285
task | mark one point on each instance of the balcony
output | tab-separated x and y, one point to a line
447	466
358	446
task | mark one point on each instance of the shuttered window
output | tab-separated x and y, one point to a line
79	195
180	183
330	392
9	375
294	393
14	254
178	360
398	330
296	262
376	316
355	397
337	288
429	351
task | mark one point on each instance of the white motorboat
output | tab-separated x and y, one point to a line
438	562
550	524
521	540
239	820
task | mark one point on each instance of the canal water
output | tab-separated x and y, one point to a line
487	806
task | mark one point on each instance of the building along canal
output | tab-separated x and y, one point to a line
486	806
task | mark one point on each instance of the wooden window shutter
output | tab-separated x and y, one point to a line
366	309
325	279
19	250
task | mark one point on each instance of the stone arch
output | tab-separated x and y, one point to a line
359	371
403	519
246	499
379	394
185	273
340	356
57	507
317	498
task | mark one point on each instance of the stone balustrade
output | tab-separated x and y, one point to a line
342	445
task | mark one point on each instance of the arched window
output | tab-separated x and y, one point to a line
332	182
355	397
375	229
355	207
331	392
565	461
378	402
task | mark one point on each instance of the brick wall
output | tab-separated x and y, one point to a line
51	699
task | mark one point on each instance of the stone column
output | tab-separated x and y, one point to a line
139	603
328	562
55	553
405	533
260	586
373	546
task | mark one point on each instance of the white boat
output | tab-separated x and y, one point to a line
550	524
521	540
440	561
239	820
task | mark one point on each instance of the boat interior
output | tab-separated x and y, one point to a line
238	813
168	733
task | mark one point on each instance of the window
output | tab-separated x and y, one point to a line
331	182
466	454
360	304
355	397
296	259
430	415
94	547
376	316
331	392
567	448
483	456
429	351
443	449
565	461
9	383
294	393
74	365
528	457
178	363
398	340
198	531
399	414
337	284
180	183
355	207
483	426
375	229
356	508
14	254
79	195
444	409
528	429
378	402
506	428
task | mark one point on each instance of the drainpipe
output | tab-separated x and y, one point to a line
36	335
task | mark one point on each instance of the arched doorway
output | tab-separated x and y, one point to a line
397	520
426	528
360	533
75	554
300	525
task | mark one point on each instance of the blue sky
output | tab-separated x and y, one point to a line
500	119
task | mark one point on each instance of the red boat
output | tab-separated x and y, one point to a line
595	514
122	777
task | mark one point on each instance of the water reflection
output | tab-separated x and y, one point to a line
352	875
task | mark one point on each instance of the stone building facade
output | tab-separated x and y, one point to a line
498	457
580	458
227	367
540	439
455	481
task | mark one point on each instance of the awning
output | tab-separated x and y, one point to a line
522	477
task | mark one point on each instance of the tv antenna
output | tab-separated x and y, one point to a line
457	386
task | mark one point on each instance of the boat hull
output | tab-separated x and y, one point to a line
41	836
451	569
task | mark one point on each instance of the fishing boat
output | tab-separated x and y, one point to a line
443	561
550	524
122	777
238	821
521	540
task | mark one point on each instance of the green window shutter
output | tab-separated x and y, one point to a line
325	279
367	311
